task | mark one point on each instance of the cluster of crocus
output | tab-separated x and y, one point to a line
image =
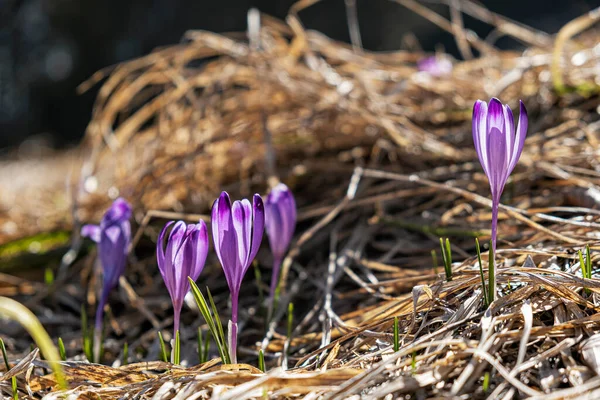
113	237
237	231
498	147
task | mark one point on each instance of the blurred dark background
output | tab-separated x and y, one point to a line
48	47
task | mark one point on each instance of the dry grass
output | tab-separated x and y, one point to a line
381	160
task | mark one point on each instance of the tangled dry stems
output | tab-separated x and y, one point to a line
381	161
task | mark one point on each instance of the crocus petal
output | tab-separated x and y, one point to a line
120	210
92	232
224	236
200	240
497	156
509	131
182	266
288	208
273	225
112	251
160	250
173	245
280	219
520	136
258	226
495	116
242	223
480	135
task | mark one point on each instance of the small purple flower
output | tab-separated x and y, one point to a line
498	147
185	255
280	223
237	233
435	65
113	236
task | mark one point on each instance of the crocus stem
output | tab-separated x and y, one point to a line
98	325
176	318
274	283
275	277
233	328
495	204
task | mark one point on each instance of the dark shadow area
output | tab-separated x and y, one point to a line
48	47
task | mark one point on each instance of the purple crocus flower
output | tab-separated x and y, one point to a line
113	236
435	65
498	147
237	232
280	222
185	255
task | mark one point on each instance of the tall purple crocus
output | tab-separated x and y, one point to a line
113	236
185	255
280	222
498	147
237	233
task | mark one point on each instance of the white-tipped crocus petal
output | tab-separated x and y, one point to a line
480	134
521	134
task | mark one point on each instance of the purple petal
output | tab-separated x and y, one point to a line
509	131
182	266
112	251
258	226
480	134
520	136
280	219
92	232
160	249
274	225
119	211
497	157
200	241
242	223
176	238
495	116
224	237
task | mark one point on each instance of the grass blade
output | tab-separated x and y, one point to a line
588	261
125	354
484	290
200	347
61	350
486	382
177	349
261	361
396	335
290	321
219	325
163	349
15	391
18	312
447	258
215	327
206	346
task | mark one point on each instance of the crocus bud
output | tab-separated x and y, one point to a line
280	223
113	237
435	65
185	255
237	233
